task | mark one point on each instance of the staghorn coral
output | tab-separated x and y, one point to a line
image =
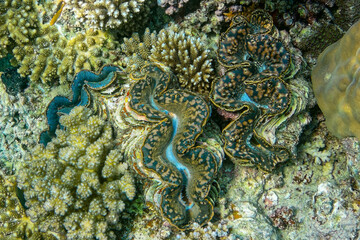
186	56
53	56
170	149
335	81
252	86
77	186
121	15
18	24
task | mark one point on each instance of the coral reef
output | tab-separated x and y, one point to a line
121	15
20	127
12	80
256	63
172	6
335	80
186	56
138	50
18	24
53	56
13	222
78	185
169	151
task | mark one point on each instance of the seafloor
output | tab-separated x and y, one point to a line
179	119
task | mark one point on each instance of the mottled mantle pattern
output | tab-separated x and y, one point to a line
169	153
252	87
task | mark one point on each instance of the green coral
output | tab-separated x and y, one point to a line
18	24
187	57
53	56
14	224
77	186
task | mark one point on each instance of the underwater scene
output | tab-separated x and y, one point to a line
180	119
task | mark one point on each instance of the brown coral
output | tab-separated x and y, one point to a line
335	80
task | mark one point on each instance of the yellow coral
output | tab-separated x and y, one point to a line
54	57
73	185
336	83
186	56
14	224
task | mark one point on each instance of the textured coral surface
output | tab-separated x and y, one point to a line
175	131
77	186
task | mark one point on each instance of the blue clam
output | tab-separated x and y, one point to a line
83	81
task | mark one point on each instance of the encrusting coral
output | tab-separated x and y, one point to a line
77	186
336	82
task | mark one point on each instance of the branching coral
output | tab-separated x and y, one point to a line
336	81
77	185
18	23
186	56
53	56
117	14
14	224
138	50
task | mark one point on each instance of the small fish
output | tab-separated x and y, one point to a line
58	11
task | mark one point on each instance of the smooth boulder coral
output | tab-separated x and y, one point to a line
336	82
78	185
253	89
182	169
